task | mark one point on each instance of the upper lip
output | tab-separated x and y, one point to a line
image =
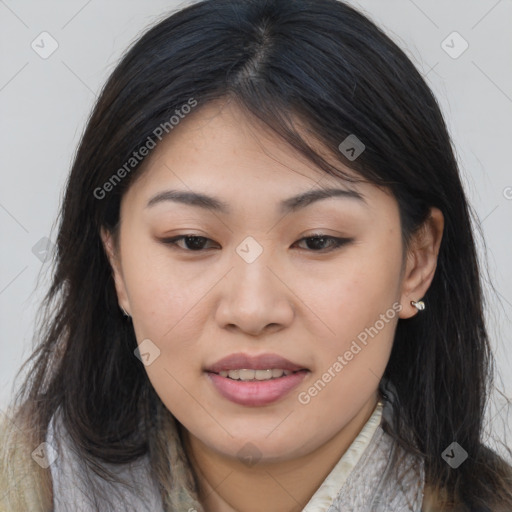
259	362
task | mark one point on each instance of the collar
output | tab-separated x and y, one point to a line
328	490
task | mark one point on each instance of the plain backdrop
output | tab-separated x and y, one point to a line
45	101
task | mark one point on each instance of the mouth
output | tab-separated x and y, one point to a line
255	380
249	375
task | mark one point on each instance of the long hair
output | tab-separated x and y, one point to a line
325	66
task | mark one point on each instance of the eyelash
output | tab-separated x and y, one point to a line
336	243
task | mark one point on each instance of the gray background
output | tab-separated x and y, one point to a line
45	102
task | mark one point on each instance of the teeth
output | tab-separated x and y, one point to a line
245	374
232	374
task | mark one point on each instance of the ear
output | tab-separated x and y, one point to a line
421	262
112	254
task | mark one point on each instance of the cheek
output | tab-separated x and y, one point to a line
357	303
162	293
169	308
361	312
352	293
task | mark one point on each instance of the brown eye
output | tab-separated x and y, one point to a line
324	243
191	242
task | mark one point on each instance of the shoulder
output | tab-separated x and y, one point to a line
436	500
24	484
432	501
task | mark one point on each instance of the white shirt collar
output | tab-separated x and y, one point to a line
325	494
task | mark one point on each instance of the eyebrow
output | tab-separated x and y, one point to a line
291	204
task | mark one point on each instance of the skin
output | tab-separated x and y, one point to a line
295	299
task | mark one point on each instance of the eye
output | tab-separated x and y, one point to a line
192	242
319	240
315	243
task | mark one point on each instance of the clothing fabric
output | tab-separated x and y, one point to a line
328	490
361	481
74	490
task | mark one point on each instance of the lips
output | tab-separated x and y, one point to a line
256	393
241	361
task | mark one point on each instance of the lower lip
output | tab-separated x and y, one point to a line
259	392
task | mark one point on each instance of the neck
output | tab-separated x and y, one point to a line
228	485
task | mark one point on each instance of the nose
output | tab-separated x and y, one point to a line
255	298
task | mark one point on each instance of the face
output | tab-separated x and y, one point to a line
255	278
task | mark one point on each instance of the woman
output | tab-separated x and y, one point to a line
266	294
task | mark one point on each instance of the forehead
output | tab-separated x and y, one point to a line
221	152
221	146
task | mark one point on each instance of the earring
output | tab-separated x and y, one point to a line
420	305
124	311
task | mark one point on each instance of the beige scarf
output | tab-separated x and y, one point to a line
362	480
